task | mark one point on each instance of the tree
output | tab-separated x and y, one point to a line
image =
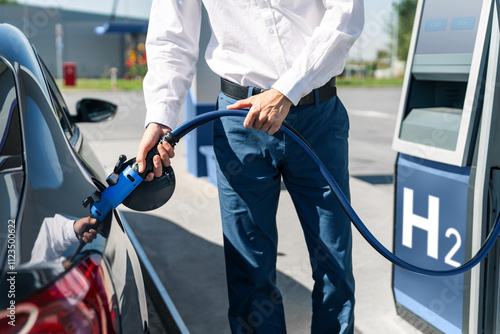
3	2
406	16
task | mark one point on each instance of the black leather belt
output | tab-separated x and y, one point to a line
238	92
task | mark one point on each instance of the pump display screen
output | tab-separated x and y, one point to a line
448	26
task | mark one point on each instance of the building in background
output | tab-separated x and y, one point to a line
87	40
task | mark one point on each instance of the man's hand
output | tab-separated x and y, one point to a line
267	110
150	138
81	225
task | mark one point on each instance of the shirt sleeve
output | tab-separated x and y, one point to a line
56	235
324	56
172	52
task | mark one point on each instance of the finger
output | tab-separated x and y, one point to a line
149	177
260	120
266	122
250	119
157	167
257	124
274	128
266	126
246	103
170	149
89	238
141	157
165	157
248	122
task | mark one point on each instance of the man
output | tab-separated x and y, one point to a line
276	58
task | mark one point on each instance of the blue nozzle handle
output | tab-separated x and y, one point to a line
114	195
120	186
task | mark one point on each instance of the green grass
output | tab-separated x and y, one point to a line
368	82
103	84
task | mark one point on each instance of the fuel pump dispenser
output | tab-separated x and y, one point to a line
447	185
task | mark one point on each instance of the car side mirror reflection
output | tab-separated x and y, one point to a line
94	110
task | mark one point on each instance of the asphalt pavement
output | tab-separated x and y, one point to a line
183	239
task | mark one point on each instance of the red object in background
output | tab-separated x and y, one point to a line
69	73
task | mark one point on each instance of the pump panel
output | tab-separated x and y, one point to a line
447	137
444	81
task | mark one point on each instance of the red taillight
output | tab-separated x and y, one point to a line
81	301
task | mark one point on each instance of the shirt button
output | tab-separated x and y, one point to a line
271	31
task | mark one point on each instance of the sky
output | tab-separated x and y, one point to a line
375	36
379	15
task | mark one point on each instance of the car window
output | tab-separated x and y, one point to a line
59	104
10	132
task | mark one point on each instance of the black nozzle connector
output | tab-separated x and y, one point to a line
119	164
112	179
170	138
94	198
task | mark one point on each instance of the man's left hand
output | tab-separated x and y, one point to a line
267	110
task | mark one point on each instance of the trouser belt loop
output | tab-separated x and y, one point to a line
316	98
250	91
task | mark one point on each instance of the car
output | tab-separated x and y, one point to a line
48	283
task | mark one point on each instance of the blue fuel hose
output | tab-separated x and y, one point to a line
190	125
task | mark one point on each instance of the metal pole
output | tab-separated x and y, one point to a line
394	58
59	50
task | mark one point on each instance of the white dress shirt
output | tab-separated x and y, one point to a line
293	46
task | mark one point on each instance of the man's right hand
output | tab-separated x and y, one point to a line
151	136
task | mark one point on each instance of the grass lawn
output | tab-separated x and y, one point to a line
368	82
103	84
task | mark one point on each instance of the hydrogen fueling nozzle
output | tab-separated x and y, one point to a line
125	186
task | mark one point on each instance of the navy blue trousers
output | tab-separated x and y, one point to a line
250	166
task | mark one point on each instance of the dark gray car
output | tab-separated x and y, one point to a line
46	170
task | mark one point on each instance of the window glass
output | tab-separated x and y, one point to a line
59	104
10	133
